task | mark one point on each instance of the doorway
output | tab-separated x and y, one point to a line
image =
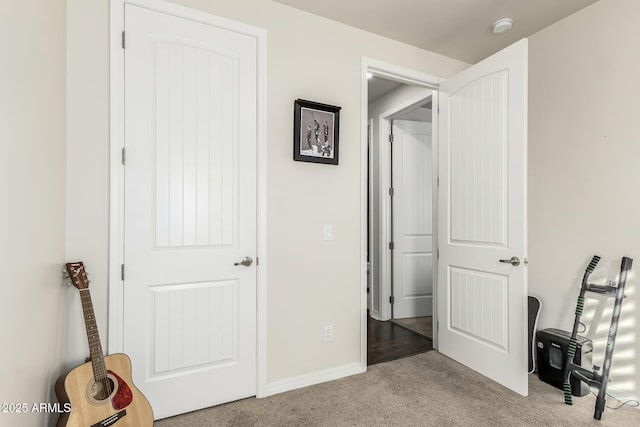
400	273
480	317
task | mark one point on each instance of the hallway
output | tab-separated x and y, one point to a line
388	341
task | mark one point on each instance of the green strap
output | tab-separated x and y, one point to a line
567	394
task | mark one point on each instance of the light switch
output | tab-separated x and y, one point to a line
328	232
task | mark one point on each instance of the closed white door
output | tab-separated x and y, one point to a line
412	172
190	211
482	296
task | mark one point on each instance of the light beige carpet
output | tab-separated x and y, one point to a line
428	389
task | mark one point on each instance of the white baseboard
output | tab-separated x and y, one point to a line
375	314
313	378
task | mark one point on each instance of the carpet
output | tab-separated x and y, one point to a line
427	389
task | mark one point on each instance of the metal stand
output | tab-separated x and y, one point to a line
593	378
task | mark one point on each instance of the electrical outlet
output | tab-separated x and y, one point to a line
328	333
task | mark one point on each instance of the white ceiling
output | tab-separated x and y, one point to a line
458	29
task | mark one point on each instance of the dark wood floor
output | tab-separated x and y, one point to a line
388	341
419	325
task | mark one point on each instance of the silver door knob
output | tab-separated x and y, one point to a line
246	261
514	260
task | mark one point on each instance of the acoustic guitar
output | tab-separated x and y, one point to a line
100	393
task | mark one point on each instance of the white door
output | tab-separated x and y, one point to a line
190	211
482	301
412	175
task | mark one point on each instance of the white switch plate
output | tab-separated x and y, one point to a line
328	232
328	333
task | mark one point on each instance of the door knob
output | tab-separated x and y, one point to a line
246	261
514	260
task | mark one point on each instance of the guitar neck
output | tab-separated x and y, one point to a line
95	348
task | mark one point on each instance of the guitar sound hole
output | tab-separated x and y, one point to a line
103	389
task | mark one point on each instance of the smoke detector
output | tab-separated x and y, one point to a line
502	25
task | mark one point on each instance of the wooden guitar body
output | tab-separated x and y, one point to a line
99	393
125	406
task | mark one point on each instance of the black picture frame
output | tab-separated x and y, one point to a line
316	131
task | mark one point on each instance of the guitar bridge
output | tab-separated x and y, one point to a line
111	420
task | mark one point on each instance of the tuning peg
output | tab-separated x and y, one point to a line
67	278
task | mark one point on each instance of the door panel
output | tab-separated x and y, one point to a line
482	302
194	156
479	306
478	146
412	219
190	211
185	336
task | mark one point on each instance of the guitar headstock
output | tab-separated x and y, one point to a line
77	275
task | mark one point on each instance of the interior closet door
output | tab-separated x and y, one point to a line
190	211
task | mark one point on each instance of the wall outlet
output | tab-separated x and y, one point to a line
328	333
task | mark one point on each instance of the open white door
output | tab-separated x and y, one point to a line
482	296
412	219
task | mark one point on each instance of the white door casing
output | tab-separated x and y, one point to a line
190	211
412	219
482	302
372	276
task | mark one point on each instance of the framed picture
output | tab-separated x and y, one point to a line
315	132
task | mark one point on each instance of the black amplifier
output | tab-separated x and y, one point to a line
552	345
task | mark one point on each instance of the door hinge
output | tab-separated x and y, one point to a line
391	245
391	137
124	155
123	40
392	300
438	253
391	192
122	272
438	181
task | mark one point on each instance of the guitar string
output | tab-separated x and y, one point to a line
74	272
95	348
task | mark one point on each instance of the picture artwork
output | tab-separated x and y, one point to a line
316	131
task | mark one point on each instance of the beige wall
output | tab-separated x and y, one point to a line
32	210
311	282
88	160
584	151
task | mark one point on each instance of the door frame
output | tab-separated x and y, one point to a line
371	295
116	168
415	78
386	204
